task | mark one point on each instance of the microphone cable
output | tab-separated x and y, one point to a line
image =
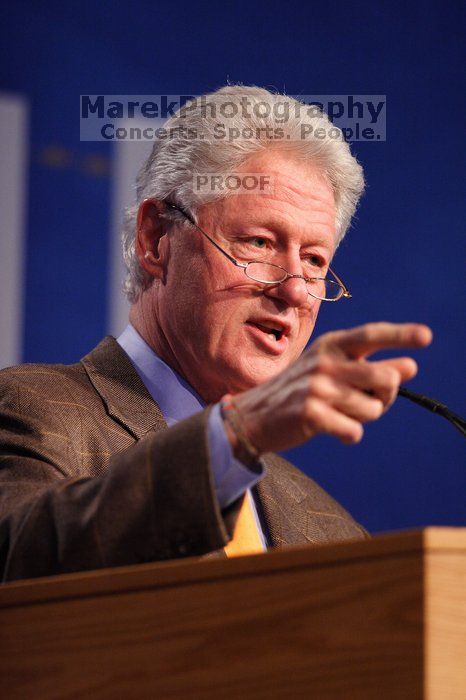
435	407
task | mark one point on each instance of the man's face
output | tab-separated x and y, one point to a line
214	325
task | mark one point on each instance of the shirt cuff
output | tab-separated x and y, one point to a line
231	477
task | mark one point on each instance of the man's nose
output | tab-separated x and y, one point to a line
293	291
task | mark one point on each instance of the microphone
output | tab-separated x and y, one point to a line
435	407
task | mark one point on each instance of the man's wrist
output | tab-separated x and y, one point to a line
241	446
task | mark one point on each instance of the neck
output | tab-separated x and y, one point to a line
143	316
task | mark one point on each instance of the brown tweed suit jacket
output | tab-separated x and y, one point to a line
91	477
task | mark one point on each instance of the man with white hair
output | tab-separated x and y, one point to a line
159	444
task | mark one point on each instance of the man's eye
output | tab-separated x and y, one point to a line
314	261
259	242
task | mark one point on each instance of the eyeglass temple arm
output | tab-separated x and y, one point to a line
191	221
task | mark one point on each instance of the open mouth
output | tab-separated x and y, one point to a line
270	335
273	333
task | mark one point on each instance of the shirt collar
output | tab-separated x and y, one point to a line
176	398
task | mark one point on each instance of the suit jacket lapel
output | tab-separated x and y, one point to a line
282	505
121	389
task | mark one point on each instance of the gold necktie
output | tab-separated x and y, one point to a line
246	539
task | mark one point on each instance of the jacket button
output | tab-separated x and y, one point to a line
182	548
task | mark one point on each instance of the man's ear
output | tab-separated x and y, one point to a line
150	229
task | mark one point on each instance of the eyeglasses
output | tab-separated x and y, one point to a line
323	288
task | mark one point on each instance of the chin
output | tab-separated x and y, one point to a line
251	376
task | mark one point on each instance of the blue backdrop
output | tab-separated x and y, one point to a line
404	258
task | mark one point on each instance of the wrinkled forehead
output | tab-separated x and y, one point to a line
305	189
298	196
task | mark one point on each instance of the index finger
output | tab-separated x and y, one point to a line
362	341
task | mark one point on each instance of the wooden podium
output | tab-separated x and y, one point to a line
384	618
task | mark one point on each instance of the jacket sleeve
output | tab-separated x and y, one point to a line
154	502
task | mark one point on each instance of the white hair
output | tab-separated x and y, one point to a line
192	147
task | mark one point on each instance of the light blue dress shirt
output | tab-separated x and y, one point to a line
178	400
